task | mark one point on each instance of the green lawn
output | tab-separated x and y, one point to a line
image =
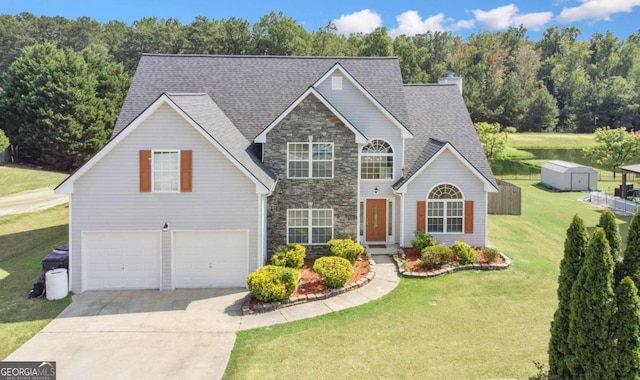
533	140
469	325
15	179
24	240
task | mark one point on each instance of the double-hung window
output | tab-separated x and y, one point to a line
166	171
445	210
309	226
310	160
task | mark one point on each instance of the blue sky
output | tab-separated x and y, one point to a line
461	17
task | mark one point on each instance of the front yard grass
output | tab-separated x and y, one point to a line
461	326
15	179
26	239
535	140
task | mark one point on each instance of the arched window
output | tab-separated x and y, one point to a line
445	209
377	160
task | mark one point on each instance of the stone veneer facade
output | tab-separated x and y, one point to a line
340	193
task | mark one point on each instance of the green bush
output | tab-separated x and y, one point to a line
4	141
491	254
464	252
273	283
290	256
345	248
436	255
419	264
422	240
335	271
510	130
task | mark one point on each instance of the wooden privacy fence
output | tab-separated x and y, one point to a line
507	201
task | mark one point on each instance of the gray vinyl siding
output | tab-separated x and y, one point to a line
365	116
447	169
107	197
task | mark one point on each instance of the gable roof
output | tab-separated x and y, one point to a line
438	116
360	138
254	90
203	114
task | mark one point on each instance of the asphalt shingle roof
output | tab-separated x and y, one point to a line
437	114
206	113
253	90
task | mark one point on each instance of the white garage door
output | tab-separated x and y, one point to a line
121	260
206	259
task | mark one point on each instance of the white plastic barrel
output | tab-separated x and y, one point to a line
57	284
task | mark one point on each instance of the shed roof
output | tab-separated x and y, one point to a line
563	166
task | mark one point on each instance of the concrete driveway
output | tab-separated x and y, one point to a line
179	334
182	334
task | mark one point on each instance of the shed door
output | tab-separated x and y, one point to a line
205	259
579	181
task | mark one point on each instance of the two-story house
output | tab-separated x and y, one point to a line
217	160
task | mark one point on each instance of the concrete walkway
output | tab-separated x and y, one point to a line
185	333
32	200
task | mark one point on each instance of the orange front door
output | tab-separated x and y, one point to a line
376	220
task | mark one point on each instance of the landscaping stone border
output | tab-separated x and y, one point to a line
263	307
451	268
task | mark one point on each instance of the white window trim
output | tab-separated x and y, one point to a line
310	224
153	171
336	83
393	162
444	211
310	161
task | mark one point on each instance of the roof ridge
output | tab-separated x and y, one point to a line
428	84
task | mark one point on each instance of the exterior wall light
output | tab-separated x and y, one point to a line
375	191
165	227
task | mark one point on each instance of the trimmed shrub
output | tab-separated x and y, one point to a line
273	283
422	240
491	254
345	248
290	256
510	130
464	252
419	264
436	255
335	271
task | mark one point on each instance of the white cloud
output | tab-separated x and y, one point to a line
363	21
509	15
462	24
597	10
410	23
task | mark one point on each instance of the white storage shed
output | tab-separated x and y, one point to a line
569	176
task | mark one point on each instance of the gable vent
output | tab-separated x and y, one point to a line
336	83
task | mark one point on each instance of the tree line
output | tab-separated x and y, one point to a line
559	83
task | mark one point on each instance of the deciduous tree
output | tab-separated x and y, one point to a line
492	140
614	147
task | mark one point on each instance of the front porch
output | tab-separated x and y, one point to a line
383	249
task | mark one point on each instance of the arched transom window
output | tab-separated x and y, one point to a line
445	209
377	160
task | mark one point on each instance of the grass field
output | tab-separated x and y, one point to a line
532	140
24	240
469	325
15	179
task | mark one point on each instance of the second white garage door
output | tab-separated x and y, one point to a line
205	259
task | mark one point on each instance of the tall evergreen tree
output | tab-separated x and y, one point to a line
631	262
575	246
612	232
593	307
627	330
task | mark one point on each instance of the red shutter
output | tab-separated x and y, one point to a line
421	216
145	171
468	217
185	171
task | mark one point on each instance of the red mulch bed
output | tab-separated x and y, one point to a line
411	255
313	283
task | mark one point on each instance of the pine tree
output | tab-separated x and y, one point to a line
627	330
575	246
631	262
593	306
612	233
